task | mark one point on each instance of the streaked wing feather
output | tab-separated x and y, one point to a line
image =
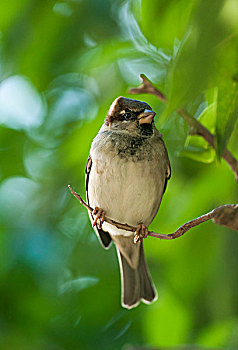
168	173
104	237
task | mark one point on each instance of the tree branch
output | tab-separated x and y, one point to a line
196	128
226	215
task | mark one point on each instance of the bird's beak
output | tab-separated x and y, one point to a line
146	117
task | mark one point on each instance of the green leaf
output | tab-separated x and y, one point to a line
196	147
199	154
193	67
227	114
209	114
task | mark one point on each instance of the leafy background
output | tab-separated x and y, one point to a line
62	64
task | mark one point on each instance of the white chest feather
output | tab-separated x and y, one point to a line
128	190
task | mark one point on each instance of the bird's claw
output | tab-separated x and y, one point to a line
141	232
100	217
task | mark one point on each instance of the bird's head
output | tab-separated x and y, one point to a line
130	115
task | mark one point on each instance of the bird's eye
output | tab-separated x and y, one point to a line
126	115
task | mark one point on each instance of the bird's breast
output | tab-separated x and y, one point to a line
127	182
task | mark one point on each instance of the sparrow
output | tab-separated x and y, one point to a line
126	176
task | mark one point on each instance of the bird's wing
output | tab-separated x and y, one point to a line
168	170
103	236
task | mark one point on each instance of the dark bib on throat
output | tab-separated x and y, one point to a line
146	129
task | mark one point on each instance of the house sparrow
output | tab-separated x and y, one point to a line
126	176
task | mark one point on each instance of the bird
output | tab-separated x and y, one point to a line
126	176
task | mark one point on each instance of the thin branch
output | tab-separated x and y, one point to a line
196	128
226	215
110	221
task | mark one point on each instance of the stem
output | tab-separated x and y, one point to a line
226	215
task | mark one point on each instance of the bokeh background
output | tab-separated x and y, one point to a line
62	63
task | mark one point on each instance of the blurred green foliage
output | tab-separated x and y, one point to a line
62	64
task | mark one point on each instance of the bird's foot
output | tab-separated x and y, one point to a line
141	232
100	217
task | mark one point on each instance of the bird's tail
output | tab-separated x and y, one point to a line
136	282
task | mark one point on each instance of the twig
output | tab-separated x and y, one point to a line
110	221
195	127
226	215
